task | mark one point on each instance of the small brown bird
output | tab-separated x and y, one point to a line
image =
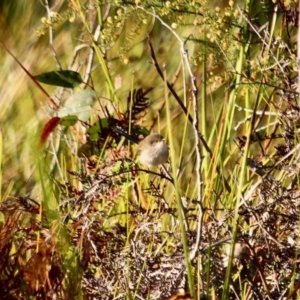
152	150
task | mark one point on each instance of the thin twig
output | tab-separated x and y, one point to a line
258	34
91	57
51	101
49	15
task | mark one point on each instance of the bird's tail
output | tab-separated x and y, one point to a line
126	135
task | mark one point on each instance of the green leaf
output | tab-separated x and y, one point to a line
140	130
95	130
80	104
64	78
68	120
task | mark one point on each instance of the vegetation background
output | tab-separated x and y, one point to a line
81	218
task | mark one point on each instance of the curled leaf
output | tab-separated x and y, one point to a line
48	128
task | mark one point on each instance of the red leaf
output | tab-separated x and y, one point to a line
48	128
